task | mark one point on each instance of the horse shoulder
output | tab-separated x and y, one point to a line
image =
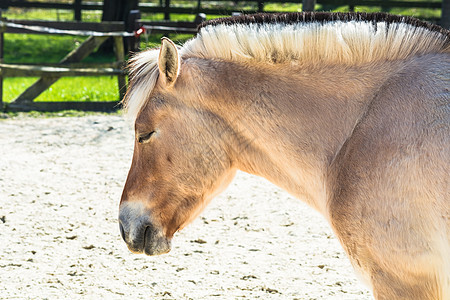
389	198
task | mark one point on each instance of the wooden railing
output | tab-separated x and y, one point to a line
70	65
226	7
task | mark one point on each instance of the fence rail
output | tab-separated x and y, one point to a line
13	70
70	65
212	8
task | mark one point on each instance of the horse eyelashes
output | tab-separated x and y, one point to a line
145	138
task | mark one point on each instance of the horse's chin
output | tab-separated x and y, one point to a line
160	249
152	249
153	253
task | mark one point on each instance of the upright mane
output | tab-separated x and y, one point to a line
322	17
343	38
301	38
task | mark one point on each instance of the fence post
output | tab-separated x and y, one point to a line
445	14
199	6
77	10
199	18
167	10
133	25
351	5
260	5
308	5
120	57
2	29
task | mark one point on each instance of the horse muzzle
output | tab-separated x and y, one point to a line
140	234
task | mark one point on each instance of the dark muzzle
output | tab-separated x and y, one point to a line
140	234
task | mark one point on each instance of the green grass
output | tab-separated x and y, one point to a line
31	48
283	7
154	40
50	14
85	89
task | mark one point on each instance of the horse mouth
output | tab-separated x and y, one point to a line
155	243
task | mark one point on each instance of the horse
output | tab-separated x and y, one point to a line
348	112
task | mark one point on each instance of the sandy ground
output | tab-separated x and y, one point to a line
60	185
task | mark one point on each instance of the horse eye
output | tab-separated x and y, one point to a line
145	137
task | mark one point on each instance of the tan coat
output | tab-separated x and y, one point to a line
361	132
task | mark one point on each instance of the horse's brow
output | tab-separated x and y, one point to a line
158	101
143	120
141	127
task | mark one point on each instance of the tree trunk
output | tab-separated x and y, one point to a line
116	10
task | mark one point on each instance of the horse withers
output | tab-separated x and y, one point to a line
348	112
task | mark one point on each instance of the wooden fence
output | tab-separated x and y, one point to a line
70	65
213	7
226	7
77	6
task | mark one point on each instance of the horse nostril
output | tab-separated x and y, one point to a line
122	233
147	229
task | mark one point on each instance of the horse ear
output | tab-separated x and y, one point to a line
168	61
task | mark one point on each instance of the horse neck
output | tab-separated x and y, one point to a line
288	122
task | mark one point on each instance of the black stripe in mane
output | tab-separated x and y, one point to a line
323	17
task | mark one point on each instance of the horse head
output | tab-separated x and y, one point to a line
180	158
